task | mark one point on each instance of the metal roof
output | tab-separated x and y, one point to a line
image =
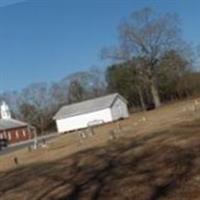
10	124
87	106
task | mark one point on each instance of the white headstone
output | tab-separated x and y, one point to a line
5	111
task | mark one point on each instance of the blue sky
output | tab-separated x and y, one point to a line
45	40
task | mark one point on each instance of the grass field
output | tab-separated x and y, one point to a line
155	155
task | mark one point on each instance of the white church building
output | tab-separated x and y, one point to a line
91	112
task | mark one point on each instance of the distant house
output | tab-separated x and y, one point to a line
91	112
12	130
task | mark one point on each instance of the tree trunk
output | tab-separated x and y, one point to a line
155	94
141	98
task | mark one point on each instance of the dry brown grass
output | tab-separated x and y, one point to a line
153	159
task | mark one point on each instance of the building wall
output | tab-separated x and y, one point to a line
16	135
119	109
81	121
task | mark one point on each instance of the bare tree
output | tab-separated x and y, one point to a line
96	82
76	91
147	35
85	85
37	105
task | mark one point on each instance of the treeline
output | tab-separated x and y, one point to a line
152	65
175	79
38	102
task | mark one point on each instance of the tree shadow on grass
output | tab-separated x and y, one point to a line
128	169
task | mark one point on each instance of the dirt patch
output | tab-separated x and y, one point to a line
156	159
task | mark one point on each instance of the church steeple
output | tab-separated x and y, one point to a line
5	111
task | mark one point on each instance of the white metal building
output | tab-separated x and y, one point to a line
91	112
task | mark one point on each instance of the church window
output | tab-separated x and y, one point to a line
17	134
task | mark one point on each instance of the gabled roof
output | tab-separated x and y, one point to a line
10	124
87	106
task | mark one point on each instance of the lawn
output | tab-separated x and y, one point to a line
156	155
